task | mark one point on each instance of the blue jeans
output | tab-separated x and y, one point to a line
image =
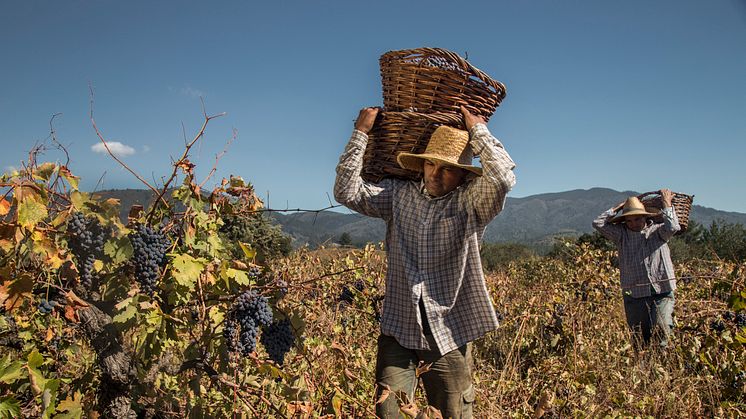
648	316
447	384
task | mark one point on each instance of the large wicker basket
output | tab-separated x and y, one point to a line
397	132
429	80
682	205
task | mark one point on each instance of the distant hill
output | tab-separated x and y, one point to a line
533	220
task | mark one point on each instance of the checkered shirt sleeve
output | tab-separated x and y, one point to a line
645	265
432	245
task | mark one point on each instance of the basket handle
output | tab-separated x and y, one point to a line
643	195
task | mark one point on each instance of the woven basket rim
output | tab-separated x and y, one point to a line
399	55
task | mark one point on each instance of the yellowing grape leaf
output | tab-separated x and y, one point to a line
74	303
69	177
248	251
45	171
14	292
30	212
70	408
4	206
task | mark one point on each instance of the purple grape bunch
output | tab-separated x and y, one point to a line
86	242
149	256
247	313
277	339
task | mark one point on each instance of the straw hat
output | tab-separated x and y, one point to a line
447	145
632	207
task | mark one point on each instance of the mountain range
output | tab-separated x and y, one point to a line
533	220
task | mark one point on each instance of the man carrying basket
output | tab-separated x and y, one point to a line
436	299
645	266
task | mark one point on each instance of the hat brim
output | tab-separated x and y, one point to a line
414	162
621	217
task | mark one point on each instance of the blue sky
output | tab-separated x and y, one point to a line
632	95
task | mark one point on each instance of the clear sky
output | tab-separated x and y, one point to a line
630	95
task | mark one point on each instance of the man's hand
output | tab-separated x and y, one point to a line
365	119
470	119
667	197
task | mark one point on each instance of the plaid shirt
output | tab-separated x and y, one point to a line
432	244
645	265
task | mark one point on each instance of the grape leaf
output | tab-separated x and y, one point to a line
69	177
45	170
4	206
30	212
35	359
72	407
11	372
187	269
15	292
9	407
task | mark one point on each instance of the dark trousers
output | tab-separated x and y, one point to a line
447	384
648	316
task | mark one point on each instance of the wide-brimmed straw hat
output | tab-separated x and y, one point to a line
632	207
447	145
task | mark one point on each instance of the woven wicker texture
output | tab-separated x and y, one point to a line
429	80
682	204
396	132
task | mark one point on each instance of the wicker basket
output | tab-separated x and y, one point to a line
397	132
682	204
430	80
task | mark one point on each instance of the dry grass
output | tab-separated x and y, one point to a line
562	349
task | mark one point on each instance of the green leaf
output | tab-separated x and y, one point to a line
49	397
119	250
241	277
187	269
79	199
35	359
12	372
30	212
70	408
9	407
129	313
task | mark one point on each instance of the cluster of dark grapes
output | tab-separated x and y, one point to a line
282	287
46	307
277	339
255	272
348	295
149	256
739	380
717	325
86	241
739	319
246	315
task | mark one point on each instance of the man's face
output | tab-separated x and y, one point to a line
441	178
635	222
